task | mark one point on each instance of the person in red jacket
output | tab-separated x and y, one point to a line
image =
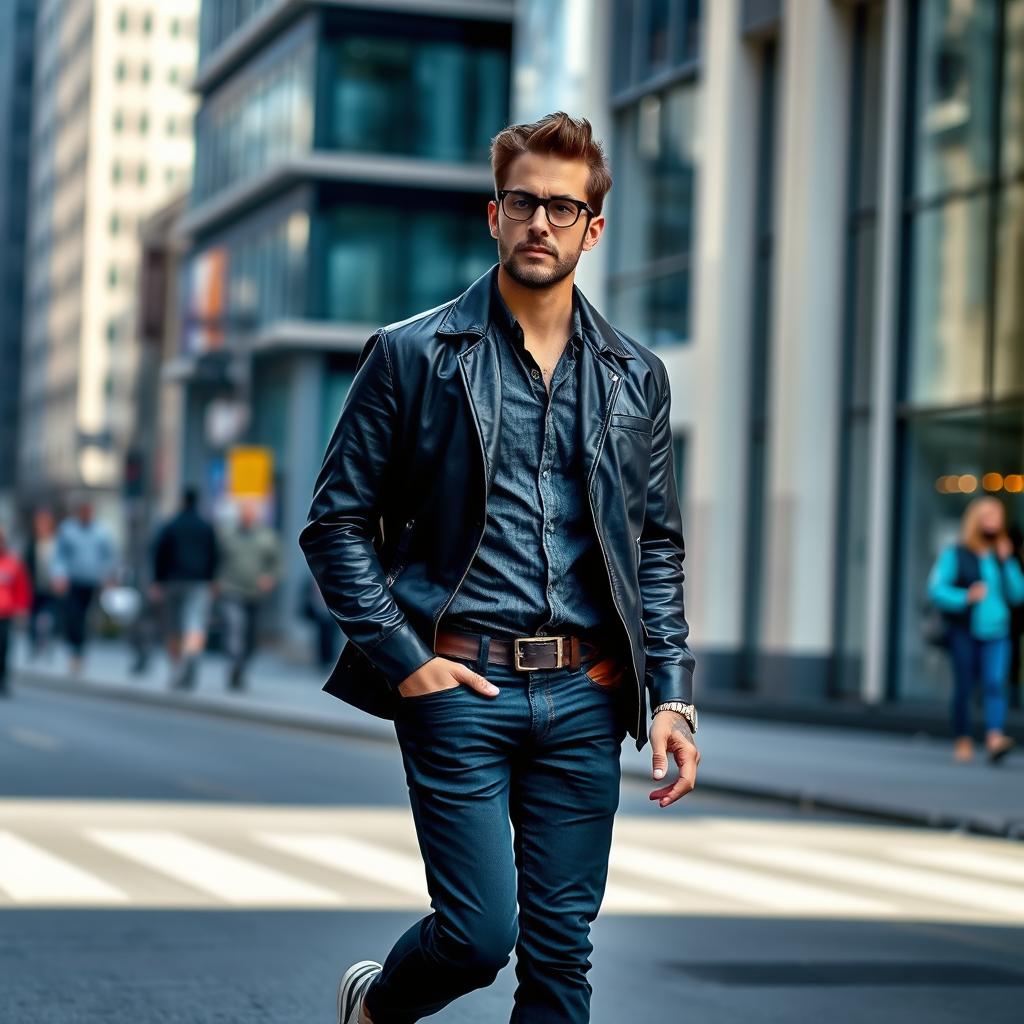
15	600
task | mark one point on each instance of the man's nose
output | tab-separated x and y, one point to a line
539	221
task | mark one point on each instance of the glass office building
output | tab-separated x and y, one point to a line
341	183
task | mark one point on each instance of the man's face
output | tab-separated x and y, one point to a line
534	253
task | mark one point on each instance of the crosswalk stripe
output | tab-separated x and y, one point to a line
739	884
31	874
877	874
960	861
353	856
221	874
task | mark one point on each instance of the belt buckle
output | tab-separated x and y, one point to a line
518	654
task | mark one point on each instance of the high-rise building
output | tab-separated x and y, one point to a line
818	223
341	183
111	140
17	26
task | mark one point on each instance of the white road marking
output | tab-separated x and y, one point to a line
877	874
30	874
704	875
961	860
223	875
370	861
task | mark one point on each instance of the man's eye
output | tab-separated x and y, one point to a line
521	204
565	208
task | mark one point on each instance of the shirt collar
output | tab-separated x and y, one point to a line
510	325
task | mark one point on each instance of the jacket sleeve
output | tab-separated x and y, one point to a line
942	588
1014	581
337	538
670	662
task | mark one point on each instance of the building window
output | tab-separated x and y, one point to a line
172	76
115	224
147	23
175	27
120	71
116	172
112	277
961	418
141	173
145	72
653	40
122	21
143	123
118	121
652	237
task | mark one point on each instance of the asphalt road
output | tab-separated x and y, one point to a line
159	867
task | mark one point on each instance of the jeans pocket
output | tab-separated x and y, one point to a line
429	696
605	675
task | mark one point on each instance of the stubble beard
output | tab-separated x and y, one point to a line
536	276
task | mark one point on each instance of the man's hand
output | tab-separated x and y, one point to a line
441	674
671	733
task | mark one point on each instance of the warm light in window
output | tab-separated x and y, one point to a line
968	482
1014	483
992	481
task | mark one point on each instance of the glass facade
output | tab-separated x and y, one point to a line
440	99
259	117
250	275
386	258
654	139
961	422
220	19
440	94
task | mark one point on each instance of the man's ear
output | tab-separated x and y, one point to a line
593	233
492	218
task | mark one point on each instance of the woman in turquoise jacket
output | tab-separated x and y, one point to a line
975	582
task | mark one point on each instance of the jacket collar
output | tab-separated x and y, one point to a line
471	313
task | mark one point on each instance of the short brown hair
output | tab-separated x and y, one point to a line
558	133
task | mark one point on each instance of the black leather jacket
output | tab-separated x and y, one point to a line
399	506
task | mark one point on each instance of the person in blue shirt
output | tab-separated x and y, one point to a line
975	586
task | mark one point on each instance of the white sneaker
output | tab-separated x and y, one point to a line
354	983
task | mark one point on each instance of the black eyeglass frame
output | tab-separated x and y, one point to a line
581	206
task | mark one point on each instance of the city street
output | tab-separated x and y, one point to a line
159	866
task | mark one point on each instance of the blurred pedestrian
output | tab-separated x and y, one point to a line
15	601
39	552
250	568
975	582
184	567
83	562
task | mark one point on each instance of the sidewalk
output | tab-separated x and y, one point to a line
902	778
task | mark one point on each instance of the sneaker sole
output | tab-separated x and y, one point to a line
352	986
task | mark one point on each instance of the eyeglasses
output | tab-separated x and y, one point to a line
561	211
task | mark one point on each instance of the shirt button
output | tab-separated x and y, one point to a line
546	473
535	374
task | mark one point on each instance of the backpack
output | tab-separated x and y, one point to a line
937	622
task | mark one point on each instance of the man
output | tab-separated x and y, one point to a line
39	552
250	568
15	601
184	566
83	563
526	592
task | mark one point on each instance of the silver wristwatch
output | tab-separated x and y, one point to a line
688	711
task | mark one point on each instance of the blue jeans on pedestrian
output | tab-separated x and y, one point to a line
543	758
973	659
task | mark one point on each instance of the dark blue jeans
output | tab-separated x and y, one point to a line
544	756
974	660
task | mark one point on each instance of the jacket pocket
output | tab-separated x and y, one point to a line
643	424
401	553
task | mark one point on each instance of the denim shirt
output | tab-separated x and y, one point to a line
539	569
989	617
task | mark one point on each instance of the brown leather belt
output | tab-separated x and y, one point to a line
524	653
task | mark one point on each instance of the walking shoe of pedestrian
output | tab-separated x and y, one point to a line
496	529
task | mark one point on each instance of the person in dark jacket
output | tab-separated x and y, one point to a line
524	609
185	557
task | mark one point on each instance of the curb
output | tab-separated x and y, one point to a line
378	730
